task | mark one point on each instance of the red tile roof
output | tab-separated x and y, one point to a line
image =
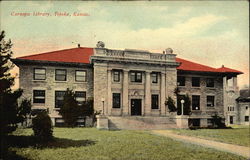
192	66
226	70
82	55
76	55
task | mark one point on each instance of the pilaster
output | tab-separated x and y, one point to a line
147	108
125	105
163	95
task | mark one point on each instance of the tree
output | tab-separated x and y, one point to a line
70	110
186	105
88	110
171	104
10	112
42	126
25	110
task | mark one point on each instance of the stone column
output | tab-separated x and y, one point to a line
163	95
125	104
109	99
225	98
147	106
235	83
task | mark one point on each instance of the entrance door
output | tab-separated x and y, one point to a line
135	107
231	119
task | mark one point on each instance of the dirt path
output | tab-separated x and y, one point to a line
236	149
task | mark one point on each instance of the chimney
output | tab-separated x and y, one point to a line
222	66
79	45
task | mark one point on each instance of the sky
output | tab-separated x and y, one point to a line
212	33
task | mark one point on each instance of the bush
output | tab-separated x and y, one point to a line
218	122
42	126
171	104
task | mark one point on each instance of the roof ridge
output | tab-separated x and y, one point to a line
53	51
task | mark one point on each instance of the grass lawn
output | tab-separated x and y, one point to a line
239	135
93	144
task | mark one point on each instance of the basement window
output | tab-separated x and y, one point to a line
246	118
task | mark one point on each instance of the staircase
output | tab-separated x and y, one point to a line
139	122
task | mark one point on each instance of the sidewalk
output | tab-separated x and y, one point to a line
236	149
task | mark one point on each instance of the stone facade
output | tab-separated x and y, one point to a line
205	112
50	85
131	87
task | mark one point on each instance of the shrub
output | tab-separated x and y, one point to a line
218	122
171	104
42	126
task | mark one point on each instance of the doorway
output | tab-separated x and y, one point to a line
136	107
231	119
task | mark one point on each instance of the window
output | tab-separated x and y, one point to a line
210	101
116	100
154	77
195	82
246	118
59	96
81	76
155	101
210	82
180	80
195	102
116	76
230	108
246	107
210	122
136	76
61	75
39	74
80	97
39	96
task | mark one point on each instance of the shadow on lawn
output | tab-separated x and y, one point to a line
31	141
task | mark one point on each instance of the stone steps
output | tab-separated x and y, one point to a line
138	122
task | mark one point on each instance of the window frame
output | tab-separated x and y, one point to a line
85	77
60	74
213	101
136	79
184	82
84	96
193	81
154	75
194	107
56	103
34	99
114	100
34	73
118	76
155	101
210	80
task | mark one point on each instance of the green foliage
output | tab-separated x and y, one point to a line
24	109
171	104
218	122
186	105
42	126
11	114
70	110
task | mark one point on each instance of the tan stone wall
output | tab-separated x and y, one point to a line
50	85
203	92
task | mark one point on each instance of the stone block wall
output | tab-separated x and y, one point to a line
28	84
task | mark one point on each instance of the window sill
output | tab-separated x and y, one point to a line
39	80
77	82
181	86
195	87
60	81
116	82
